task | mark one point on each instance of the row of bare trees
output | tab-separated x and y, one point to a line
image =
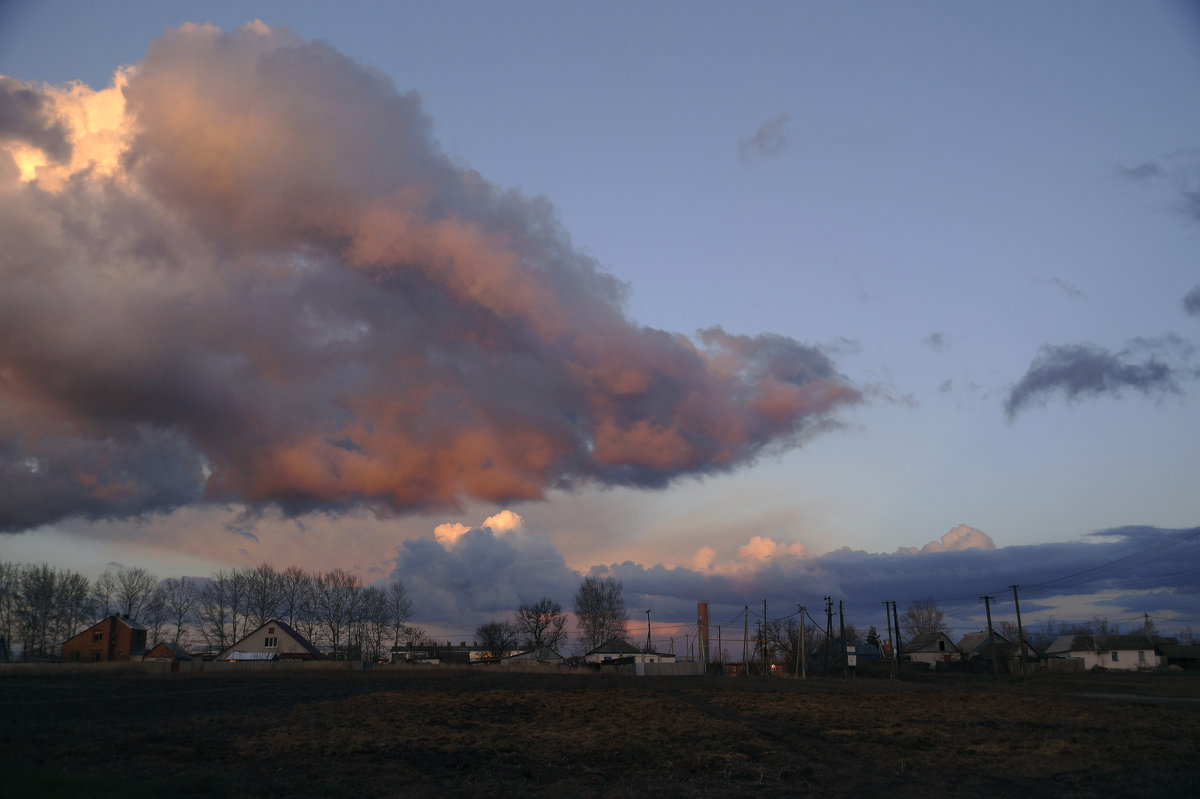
41	606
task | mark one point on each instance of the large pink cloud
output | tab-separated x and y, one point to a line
261	282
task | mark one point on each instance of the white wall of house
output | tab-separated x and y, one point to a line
1124	660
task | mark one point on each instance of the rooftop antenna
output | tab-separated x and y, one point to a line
649	646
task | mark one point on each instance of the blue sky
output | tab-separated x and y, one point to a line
965	208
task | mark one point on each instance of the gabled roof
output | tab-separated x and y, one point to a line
171	650
615	646
128	622
285	629
978	642
927	643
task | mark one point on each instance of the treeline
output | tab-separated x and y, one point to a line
42	606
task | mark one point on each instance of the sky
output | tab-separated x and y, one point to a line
728	301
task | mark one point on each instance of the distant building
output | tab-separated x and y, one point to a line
615	649
113	639
274	640
166	651
1118	652
932	648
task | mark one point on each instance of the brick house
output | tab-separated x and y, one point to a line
113	639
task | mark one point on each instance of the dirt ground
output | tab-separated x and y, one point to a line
399	732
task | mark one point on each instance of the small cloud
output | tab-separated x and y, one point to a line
763	549
946	387
503	522
1142	172
448	534
769	140
1070	289
936	341
956	540
1191	302
1082	371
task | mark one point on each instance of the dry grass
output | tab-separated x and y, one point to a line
393	733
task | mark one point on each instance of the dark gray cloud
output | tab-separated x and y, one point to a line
1086	371
1191	301
287	296
936	342
770	139
1148	170
1068	288
25	116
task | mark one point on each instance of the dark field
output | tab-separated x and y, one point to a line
400	732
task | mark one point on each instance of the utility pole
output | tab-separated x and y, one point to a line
842	639
745	639
649	645
720	651
828	631
803	653
1020	631
896	621
987	604
887	615
764	639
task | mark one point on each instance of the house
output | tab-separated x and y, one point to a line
618	649
932	648
113	639
543	655
274	640
435	653
1185	656
976	647
166	651
1120	652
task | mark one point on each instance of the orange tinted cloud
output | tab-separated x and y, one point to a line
244	273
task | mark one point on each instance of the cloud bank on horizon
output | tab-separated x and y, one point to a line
467	573
245	273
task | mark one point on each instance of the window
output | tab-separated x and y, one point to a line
271	643
97	635
1141	657
270	631
1114	656
941	646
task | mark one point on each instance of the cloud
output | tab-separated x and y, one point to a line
27	116
1142	172
771	139
1191	301
1070	289
245	274
936	342
957	539
469	574
1084	371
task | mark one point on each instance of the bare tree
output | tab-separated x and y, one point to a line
156	618
784	637
134	587
294	583
497	637
10	593
337	599
214	612
264	594
399	608
921	617
103	591
600	611
542	624
179	599
376	622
